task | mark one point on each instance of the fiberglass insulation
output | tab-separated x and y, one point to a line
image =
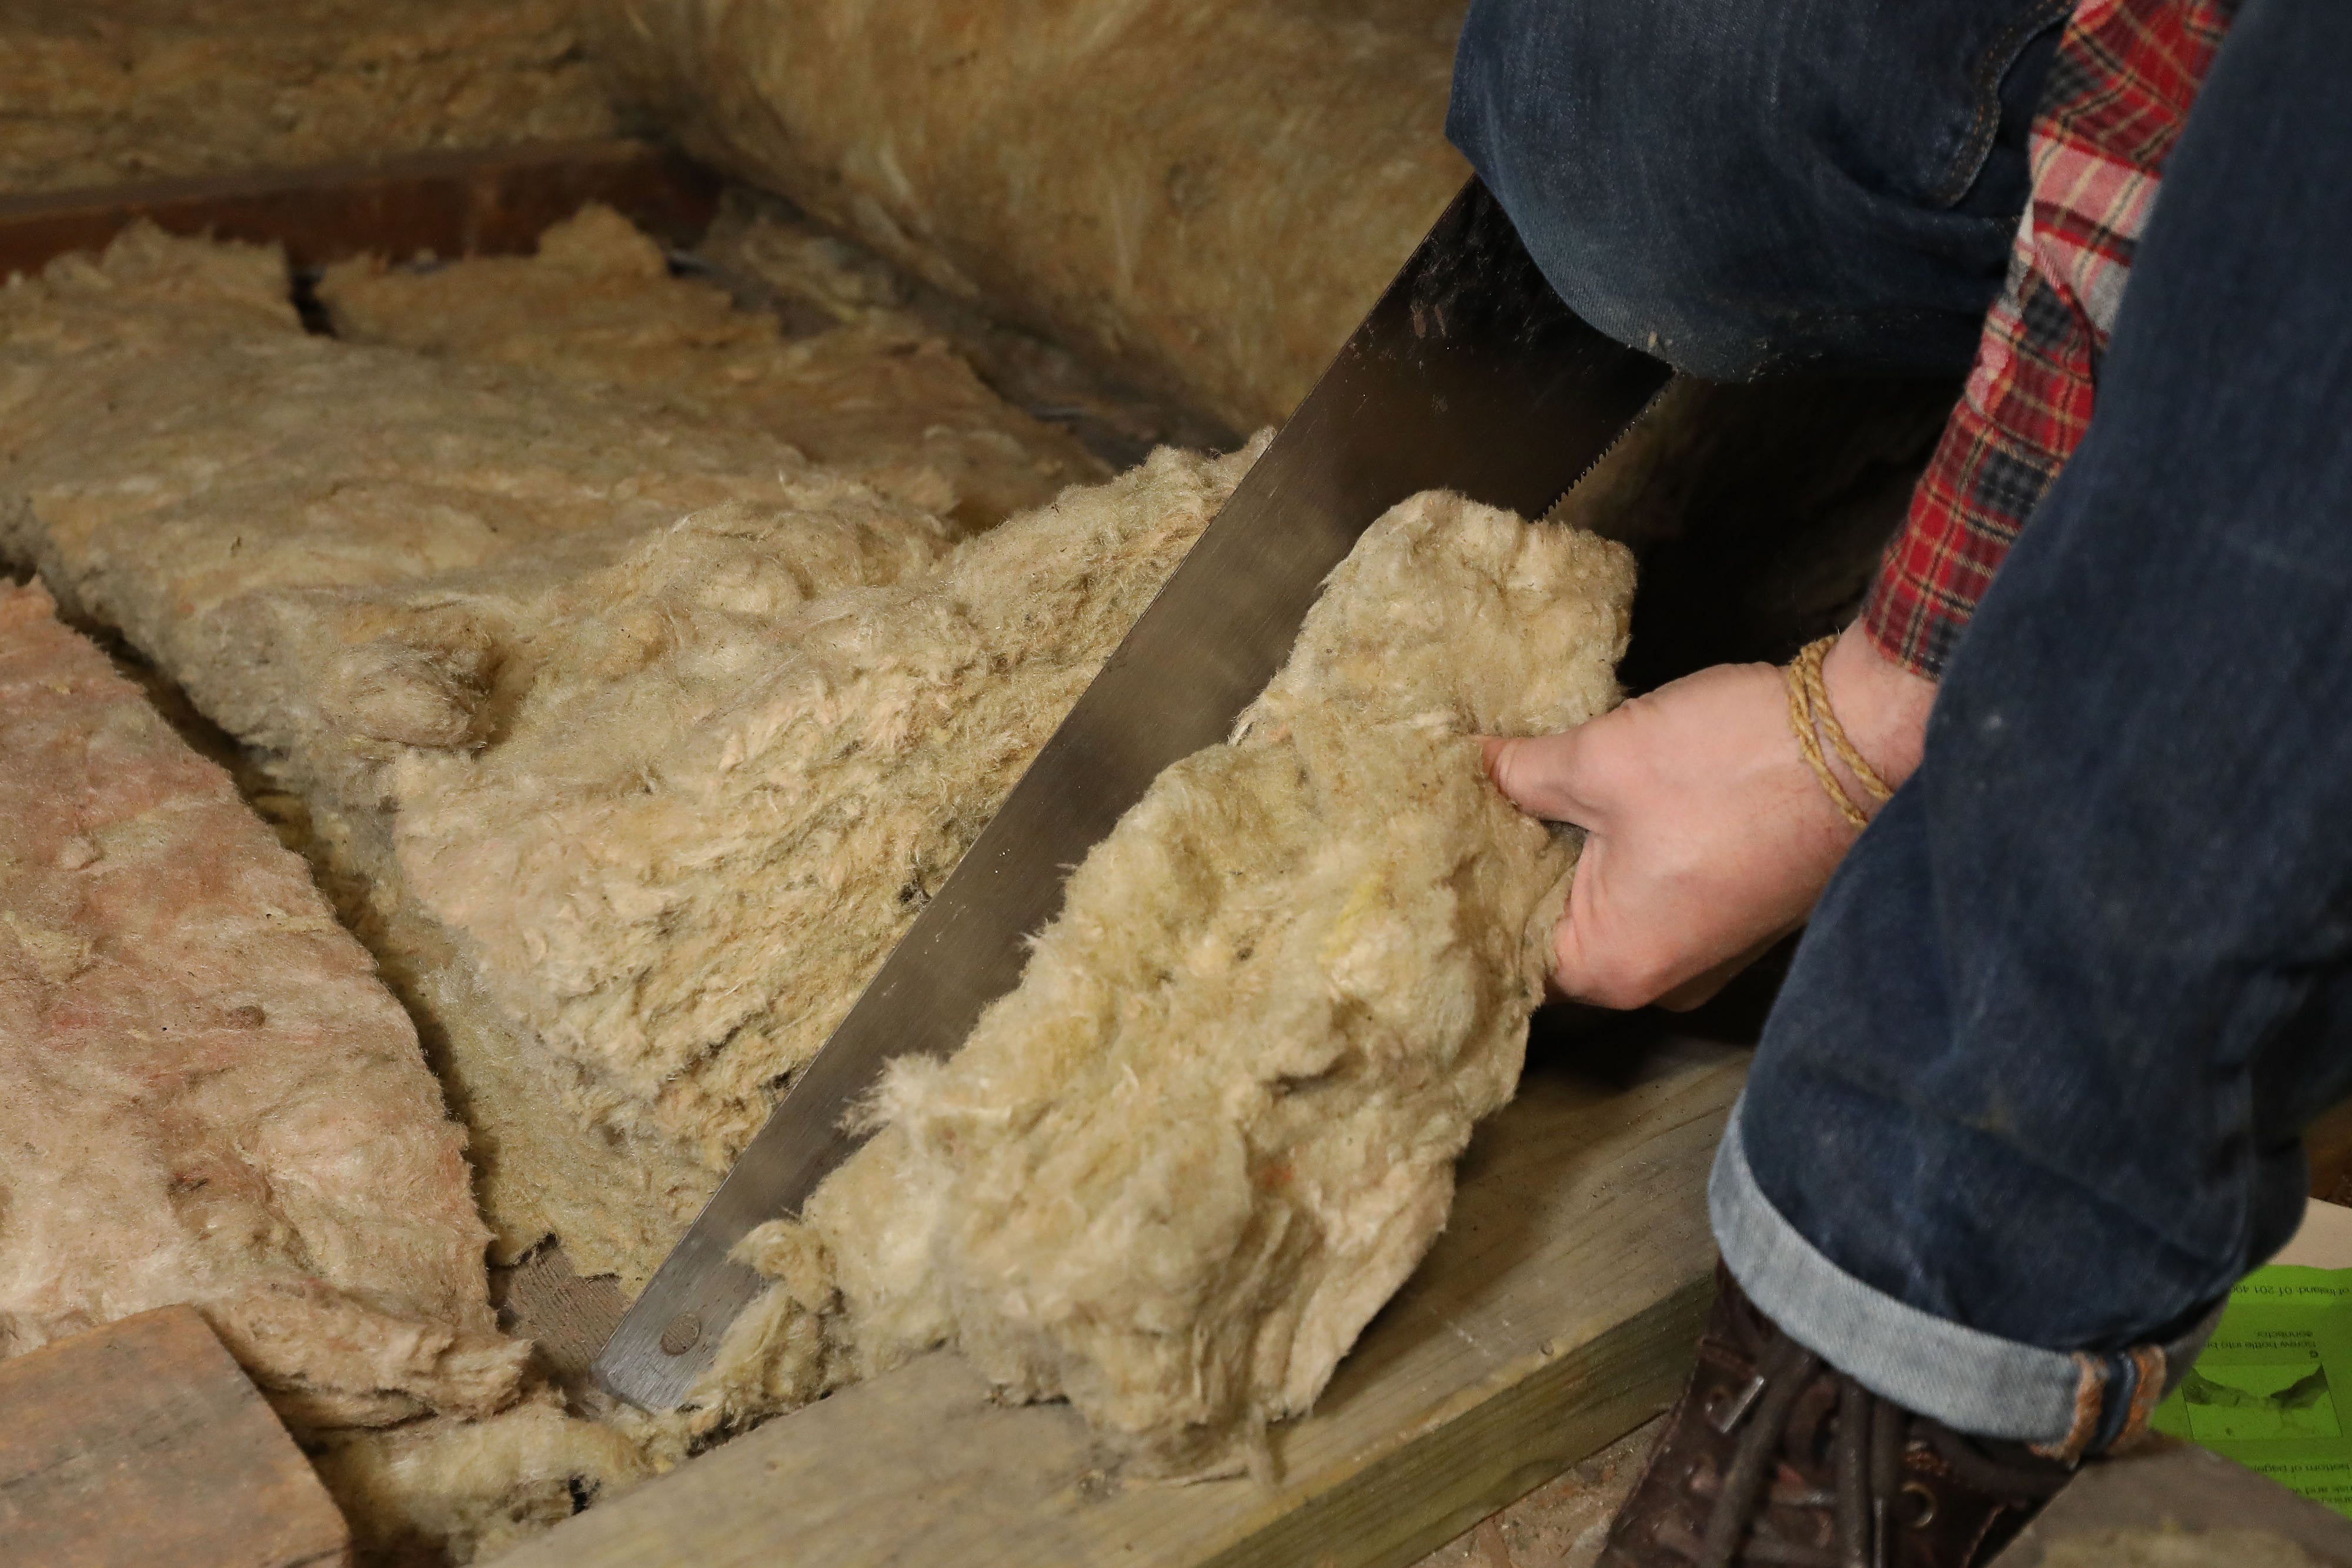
626	747
1172	1174
631	739
1209	195
105	91
412	580
677	876
353	557
597	304
210	1098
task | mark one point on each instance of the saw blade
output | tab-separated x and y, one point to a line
1469	375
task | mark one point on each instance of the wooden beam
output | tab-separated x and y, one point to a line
1557	1312
2328	1144
141	1443
450	203
2199	1507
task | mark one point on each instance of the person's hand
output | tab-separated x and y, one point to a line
1707	837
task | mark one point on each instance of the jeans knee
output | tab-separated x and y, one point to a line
1741	185
1569	130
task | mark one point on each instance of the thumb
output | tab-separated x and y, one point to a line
1538	774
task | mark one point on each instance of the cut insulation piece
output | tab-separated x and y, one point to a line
1172	1174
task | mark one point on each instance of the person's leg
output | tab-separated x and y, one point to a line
1742	187
2035	1082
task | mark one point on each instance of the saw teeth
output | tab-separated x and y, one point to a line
1551	512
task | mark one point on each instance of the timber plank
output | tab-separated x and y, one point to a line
493	202
2327	1143
1555	1313
143	1443
2185	1493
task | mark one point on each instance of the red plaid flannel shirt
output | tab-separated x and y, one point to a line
2120	85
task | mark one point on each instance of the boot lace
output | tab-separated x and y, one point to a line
1812	1440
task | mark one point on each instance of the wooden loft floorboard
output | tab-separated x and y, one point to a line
142	1442
450	203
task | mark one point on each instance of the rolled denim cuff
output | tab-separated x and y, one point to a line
2065	1404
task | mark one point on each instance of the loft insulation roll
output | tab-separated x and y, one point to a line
1209	195
104	92
597	307
629	739
1174	1173
211	1099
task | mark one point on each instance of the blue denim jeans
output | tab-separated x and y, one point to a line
2031	1095
1742	187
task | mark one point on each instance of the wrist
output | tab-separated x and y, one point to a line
1882	706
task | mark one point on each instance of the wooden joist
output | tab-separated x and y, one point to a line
2203	1508
1557	1312
141	1443
447	203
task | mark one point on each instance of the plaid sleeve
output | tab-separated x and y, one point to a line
2120	86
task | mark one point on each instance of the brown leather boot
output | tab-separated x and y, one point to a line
1774	1456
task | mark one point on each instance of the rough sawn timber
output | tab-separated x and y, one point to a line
142	1442
1557	1312
493	202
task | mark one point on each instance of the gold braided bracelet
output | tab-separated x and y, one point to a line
1810	718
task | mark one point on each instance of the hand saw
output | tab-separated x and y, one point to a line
1469	375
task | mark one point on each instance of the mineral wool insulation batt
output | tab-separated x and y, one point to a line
1175	1172
1211	194
632	674
212	1099
100	92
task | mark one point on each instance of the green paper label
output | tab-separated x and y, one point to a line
2273	1388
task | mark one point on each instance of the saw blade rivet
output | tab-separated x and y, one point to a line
681	1334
